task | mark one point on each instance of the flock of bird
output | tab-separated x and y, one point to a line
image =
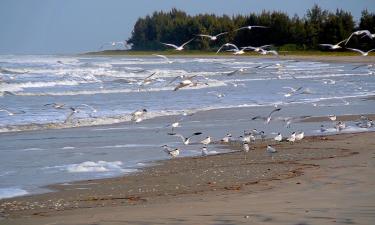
248	137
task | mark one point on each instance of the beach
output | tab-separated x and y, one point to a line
335	173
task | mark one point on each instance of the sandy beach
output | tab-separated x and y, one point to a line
335	172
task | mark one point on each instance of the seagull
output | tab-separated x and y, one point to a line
333	47
332	117
246	147
206	141
267	119
184	83
240	70
270	149
300	136
212	38
174	152
73	111
148	79
362	52
204	151
228	45
227	138
164	57
262	135
278	137
250	27
292	91
265	52
7	111
292	137
174	125
56	105
185	140
136	116
340	126
178	48
259	49
359	32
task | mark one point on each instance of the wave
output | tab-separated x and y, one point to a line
11	192
16	87
93	167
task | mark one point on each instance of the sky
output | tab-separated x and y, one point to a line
76	26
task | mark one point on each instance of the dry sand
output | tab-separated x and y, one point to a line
320	180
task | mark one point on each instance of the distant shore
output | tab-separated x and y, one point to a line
349	57
227	177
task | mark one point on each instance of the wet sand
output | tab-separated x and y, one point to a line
319	180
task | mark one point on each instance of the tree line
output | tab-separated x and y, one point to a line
285	32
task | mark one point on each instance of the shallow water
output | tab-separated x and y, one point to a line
32	159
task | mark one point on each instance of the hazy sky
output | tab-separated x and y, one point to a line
72	26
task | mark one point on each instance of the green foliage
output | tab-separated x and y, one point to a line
317	26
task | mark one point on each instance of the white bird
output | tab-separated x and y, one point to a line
292	91
259	49
204	151
267	119
148	80
333	47
246	147
184	83
174	152
278	137
164	57
250	27
300	136
7	111
206	141
212	38
362	52
70	115
266	52
227	138
228	45
178	48
359	32
270	149
292	137
332	117
340	126
136	116
185	140
174	125
56	105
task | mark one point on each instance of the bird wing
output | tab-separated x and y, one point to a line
273	52
233	45
177	135
356	50
186	42
217	35
241	28
220	48
171	45
195	134
258	117
371	50
204	35
161	56
260	26
347	40
275	110
326	45
265	46
359	66
148	77
342	41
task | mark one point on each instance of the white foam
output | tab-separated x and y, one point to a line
126	146
68	147
99	166
11	192
33	149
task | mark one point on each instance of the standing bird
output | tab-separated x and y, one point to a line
300	136
185	140
340	126
174	152
206	141
246	147
278	137
178	48
212	38
292	137
204	151
227	138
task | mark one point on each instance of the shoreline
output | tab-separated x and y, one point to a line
170	179
334	57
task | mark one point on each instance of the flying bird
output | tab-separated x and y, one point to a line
267	119
212	38
362	52
250	27
164	57
359	32
333	47
185	140
178	48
